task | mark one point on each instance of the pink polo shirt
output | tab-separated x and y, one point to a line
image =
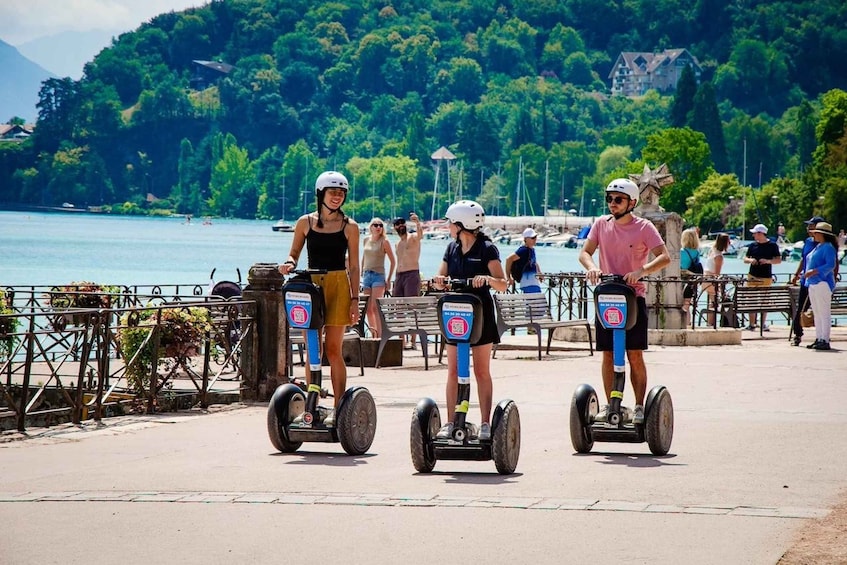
624	248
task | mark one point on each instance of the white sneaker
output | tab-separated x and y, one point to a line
485	431
638	415
445	432
603	414
329	419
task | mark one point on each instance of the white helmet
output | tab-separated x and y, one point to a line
625	186
468	213
331	179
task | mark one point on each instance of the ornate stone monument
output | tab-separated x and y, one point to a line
664	302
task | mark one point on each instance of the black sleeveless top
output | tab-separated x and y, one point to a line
327	250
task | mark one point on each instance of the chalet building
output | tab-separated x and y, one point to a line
15	133
633	73
208	73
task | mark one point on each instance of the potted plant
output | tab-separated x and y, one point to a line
181	334
8	326
80	294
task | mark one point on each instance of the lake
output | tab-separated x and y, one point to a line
57	248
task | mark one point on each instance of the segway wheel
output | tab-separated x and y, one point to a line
659	423
287	402
584	406
426	421
356	420
506	439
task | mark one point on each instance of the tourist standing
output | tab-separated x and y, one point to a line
712	266
761	255
408	249
522	267
374	281
799	278
820	280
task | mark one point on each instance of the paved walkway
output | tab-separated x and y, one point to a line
758	449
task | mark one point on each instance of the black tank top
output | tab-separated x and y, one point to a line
327	250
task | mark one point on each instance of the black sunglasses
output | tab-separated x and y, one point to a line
615	199
376	225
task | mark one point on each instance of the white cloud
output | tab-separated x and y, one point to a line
25	20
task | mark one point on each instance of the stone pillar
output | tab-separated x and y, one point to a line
664	302
266	368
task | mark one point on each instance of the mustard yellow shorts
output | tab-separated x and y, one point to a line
336	287
756	281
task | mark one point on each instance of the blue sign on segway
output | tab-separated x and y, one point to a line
458	320
612	310
298	307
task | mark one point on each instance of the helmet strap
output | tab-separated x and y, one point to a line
622	214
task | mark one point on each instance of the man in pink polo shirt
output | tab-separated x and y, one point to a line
625	243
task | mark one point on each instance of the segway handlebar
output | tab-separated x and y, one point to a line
607	277
455	284
307	272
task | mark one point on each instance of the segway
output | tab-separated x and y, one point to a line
616	309
294	414
460	318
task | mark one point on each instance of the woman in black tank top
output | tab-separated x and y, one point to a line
332	243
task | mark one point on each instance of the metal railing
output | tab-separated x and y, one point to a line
65	363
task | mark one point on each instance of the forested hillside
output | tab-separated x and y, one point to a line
518	91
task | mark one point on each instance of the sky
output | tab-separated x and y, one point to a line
24	20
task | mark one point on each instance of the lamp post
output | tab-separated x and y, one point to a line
593	207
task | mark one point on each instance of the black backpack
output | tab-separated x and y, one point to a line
696	266
518	267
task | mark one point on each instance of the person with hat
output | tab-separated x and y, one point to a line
522	268
761	255
819	278
799	279
626	243
407	282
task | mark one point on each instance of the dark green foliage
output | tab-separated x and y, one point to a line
323	84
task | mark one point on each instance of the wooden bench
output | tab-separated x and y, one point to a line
406	316
838	305
760	300
532	311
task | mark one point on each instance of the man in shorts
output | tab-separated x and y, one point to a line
761	255
408	251
625	243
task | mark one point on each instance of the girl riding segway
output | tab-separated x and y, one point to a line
470	268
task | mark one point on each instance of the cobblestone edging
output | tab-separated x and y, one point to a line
406	500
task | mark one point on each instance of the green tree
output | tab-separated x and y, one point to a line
687	156
683	98
704	117
709	207
233	184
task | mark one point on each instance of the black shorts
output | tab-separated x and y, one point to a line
636	338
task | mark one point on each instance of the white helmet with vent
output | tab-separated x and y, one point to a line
625	186
331	179
468	213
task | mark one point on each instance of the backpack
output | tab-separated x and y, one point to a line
518	267
696	266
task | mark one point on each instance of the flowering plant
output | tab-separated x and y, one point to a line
8	326
181	334
82	294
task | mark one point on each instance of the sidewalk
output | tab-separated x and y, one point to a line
757	452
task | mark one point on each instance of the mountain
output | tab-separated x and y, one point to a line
19	92
66	53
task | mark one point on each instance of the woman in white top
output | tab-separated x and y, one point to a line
374	281
713	266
